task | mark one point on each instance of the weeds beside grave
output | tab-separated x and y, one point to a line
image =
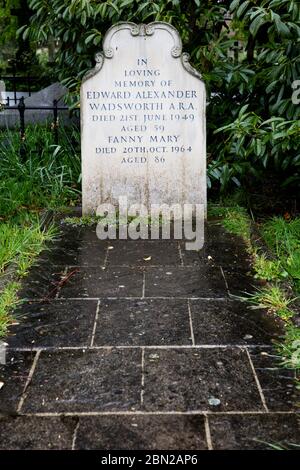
279	268
8	301
48	178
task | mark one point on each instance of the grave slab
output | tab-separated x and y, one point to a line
36	433
141	433
231	322
254	432
53	324
143	322
181	281
85	380
14	374
151	362
143	253
204	379
277	383
98	282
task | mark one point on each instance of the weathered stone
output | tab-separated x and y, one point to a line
14	374
141	432
143	322
231	322
36	433
183	281
254	432
45	97
98	282
11	118
187	379
53	324
86	380
143	121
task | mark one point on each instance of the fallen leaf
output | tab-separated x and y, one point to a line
148	258
153	357
248	337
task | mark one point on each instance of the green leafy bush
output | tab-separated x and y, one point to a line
248	62
49	175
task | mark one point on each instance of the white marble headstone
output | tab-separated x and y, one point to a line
143	127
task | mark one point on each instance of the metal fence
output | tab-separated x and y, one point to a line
15	80
22	108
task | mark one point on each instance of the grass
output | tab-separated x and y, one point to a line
21	244
19	247
8	301
235	219
117	220
279	445
282	237
274	299
49	177
267	269
83	221
290	348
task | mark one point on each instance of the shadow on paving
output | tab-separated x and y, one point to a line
143	345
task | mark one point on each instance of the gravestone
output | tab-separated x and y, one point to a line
10	118
143	128
45	97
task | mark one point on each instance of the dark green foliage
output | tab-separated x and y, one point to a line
248	63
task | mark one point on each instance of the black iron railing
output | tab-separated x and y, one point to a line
22	108
15	80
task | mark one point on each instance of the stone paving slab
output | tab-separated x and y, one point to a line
91	254
41	282
85	380
36	433
14	375
242	432
141	346
143	322
220	248
240	283
184	281
143	253
231	322
54	324
189	379
277	383
97	282
152	432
